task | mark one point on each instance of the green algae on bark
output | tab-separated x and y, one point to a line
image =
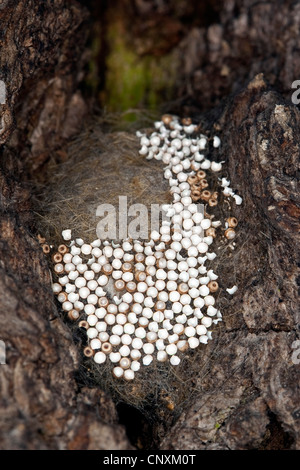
133	80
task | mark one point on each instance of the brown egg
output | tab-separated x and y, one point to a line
88	352
230	234
213	286
106	348
63	249
57	258
210	232
46	248
201	174
232	222
212	202
205	195
73	315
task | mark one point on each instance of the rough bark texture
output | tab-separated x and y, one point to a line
41	63
249	396
41	405
197	52
244	38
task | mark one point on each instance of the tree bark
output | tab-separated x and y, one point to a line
41	63
42	406
250	398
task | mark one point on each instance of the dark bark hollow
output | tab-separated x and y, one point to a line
247	394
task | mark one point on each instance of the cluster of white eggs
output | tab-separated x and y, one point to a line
144	301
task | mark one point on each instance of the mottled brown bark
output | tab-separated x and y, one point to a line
251	398
244	38
41	63
41	405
